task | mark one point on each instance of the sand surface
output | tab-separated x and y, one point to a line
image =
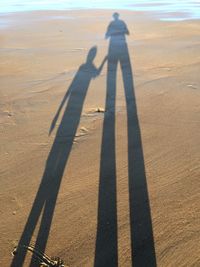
109	186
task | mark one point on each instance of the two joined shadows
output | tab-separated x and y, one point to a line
106	253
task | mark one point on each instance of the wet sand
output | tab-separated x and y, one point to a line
116	181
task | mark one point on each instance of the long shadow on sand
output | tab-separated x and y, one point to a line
142	242
45	200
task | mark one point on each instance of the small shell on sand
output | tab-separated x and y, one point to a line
8	113
100	110
192	86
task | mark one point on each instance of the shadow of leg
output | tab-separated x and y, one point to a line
142	242
106	242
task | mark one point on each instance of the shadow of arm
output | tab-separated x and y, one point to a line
59	110
101	66
127	31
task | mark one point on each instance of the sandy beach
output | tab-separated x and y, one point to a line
97	176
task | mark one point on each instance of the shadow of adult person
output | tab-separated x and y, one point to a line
142	243
45	200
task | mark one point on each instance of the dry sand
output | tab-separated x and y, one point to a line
40	54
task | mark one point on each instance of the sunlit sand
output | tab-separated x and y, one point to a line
99	130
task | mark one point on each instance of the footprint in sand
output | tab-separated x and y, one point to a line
83	131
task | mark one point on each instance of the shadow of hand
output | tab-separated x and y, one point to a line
53	124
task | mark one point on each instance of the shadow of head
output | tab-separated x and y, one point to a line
92	54
116	16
